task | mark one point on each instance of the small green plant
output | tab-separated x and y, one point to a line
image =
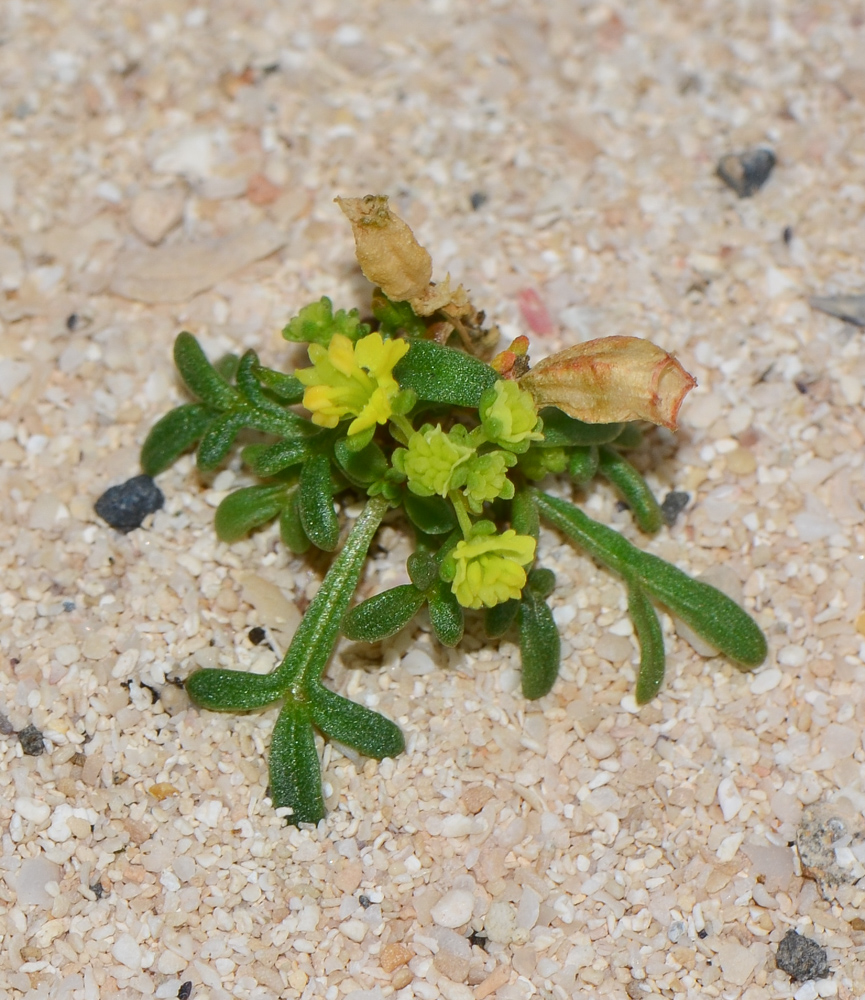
460	447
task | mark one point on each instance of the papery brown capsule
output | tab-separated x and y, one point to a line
387	251
611	380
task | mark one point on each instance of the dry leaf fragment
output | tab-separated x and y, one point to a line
387	251
610	380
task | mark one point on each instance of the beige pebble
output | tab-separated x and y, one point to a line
393	956
741	462
153	214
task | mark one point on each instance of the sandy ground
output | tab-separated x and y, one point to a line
569	847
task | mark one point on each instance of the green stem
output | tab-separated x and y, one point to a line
317	633
462	512
403	424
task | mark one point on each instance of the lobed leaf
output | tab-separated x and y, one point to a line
290	527
368	732
583	464
633	488
268	460
540	645
174	434
317	323
295	773
218	439
318	631
383	615
396	318
288	389
710	613
201	378
232	690
315	503
446	614
651	639
247	508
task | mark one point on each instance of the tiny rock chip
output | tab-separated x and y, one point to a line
801	958
850	308
746	172
393	956
32	741
454	908
673	505
153	214
125	506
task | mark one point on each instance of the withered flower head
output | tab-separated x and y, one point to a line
611	380
387	251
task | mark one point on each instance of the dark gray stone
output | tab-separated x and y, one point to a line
801	958
124	507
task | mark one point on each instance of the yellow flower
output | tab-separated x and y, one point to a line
489	569
352	380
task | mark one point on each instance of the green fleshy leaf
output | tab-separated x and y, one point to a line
583	464
248	383
383	615
499	619
651	639
288	389
315	502
631	437
538	463
433	515
396	317
540	645
247	508
562	431
232	690
295	773
542	582
217	442
446	615
423	569
633	489
226	367
201	378
268	460
524	515
361	468
318	631
290	527
368	732
710	613
317	323
443	375
174	434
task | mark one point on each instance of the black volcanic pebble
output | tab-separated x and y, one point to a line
125	506
746	172
31	740
801	958
673	505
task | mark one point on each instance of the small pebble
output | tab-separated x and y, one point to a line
30	809
125	506
746	172
185	991
673	504
477	198
801	958
127	951
454	908
31	740
850	308
153	214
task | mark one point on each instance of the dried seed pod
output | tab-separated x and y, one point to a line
387	251
610	380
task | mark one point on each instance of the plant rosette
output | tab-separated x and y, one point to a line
399	417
